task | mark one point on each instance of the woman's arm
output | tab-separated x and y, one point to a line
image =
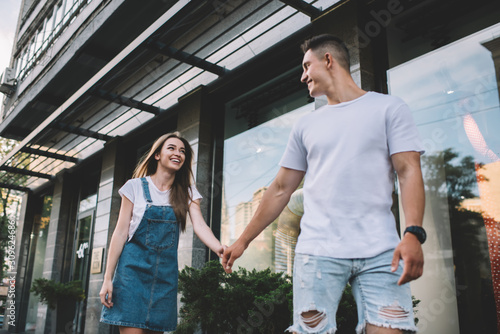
202	230
118	240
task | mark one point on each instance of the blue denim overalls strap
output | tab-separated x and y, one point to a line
146	276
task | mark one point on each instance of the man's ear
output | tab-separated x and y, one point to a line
329	60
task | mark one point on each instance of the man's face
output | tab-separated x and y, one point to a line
314	74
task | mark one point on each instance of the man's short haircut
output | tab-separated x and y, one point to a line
322	44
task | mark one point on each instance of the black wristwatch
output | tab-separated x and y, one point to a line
418	231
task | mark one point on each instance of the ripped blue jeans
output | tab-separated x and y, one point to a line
318	284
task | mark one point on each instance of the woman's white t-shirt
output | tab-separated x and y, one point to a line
132	190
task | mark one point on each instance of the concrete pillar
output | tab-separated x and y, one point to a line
113	176
194	123
59	243
494	47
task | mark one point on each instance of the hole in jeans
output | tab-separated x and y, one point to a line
313	320
393	312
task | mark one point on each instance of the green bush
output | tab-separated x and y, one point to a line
245	302
241	302
50	292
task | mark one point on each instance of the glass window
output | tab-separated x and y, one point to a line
256	134
68	8
47	30
454	95
58	16
31	52
88	203
38	246
38	41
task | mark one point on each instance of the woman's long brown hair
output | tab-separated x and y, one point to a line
180	194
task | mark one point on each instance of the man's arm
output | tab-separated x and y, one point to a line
407	166
273	202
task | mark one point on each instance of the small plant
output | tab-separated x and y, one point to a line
50	292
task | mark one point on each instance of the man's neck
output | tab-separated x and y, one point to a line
344	91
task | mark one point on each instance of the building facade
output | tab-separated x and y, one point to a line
92	83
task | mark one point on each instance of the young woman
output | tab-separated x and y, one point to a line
139	292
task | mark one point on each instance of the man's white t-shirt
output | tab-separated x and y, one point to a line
345	150
133	190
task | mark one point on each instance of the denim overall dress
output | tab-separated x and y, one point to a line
146	276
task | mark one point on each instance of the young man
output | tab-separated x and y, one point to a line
348	151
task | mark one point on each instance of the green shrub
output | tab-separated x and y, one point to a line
245	302
50	292
241	302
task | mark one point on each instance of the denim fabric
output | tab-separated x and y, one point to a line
318	284
145	280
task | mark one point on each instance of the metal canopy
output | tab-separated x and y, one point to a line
304	7
25	172
35	151
193	43
186	58
79	131
126	101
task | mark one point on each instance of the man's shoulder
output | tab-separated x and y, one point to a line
385	98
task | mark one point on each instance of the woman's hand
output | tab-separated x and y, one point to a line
106	293
220	250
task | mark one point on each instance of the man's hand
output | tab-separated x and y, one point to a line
410	250
232	253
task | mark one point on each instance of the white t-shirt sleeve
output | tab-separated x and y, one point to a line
402	133
128	190
295	156
195	194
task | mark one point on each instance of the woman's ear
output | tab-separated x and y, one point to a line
157	156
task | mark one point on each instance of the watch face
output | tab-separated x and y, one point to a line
418	231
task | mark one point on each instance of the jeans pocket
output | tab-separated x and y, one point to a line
161	234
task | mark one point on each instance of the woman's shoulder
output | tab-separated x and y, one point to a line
133	182
194	193
132	185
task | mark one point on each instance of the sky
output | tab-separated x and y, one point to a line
8	19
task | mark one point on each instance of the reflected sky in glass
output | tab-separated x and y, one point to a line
252	157
453	94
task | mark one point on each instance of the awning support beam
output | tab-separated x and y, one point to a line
126	101
27	172
14	187
49	154
304	7
80	131
187	58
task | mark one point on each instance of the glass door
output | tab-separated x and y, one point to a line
81	262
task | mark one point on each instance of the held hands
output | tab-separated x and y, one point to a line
232	253
410	251
220	250
106	293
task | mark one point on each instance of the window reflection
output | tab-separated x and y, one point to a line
453	94
251	160
37	250
287	232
